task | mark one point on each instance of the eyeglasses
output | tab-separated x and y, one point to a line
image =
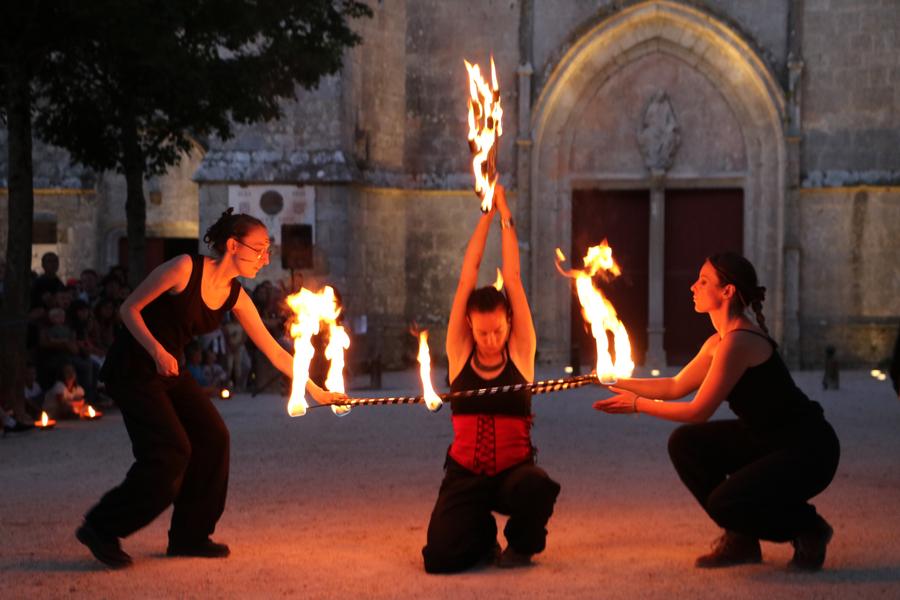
267	251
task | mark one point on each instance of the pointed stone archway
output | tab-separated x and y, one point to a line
584	128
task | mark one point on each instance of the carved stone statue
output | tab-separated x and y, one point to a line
659	134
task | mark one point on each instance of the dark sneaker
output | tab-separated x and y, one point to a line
202	549
510	559
105	549
729	550
809	546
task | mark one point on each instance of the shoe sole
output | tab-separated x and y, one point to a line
91	542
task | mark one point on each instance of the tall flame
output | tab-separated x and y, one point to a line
600	313
91	413
311	310
432	400
498	284
45	418
485	118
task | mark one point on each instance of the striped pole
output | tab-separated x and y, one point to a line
536	387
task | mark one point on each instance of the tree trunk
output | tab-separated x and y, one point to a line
135	205
15	302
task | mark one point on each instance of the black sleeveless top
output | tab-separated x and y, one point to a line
767	399
515	404
174	320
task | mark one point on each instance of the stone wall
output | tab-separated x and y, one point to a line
851	95
850	287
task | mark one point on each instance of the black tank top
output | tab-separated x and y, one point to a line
767	399
516	404
174	320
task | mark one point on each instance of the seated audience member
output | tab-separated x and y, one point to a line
47	282
34	394
88	286
57	346
65	400
237	359
194	357
213	372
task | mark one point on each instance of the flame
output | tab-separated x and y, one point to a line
338	342
91	413
432	400
311	310
225	393
600	313
498	285
45	418
485	118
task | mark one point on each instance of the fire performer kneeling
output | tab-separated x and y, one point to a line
754	475
180	443
490	465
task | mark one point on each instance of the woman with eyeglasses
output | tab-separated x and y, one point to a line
179	441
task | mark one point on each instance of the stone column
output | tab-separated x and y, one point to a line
659	136
656	354
523	172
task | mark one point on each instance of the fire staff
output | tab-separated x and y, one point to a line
754	475
490	464
179	441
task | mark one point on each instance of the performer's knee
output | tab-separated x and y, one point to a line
682	443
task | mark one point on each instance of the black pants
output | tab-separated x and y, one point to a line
180	446
462	530
751	486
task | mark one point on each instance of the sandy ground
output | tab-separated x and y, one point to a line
321	507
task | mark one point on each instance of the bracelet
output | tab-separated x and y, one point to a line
507	223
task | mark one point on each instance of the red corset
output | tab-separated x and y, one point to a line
488	444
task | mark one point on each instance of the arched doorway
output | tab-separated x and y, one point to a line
585	125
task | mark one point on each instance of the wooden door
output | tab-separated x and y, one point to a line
698	223
622	217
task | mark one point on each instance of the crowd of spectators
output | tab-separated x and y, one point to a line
72	325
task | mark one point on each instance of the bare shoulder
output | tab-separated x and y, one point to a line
752	347
178	271
710	345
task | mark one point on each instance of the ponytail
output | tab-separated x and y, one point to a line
229	225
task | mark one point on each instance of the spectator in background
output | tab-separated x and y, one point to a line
88	286
194	356
102	329
58	346
213	372
237	359
65	400
109	289
47	282
34	394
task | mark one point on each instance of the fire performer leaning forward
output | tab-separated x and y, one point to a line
180	442
490	465
753	475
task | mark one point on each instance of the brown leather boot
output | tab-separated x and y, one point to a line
731	549
809	546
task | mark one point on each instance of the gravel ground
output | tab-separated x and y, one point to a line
321	507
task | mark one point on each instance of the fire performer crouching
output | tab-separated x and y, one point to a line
754	475
490	465
180	443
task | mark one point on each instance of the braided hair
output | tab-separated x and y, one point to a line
229	225
734	269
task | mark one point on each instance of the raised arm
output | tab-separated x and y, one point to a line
459	334
247	315
171	276
522	339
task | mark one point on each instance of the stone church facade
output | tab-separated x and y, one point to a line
672	128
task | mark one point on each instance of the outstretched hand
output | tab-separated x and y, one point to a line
623	402
326	397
